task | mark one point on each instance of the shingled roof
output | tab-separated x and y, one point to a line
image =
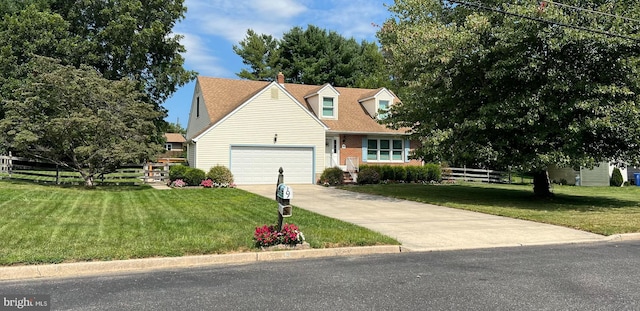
174	138
221	96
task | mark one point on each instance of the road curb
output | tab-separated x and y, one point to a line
141	265
623	237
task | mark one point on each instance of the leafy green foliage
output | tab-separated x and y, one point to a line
177	172
175	128
400	172
432	172
368	175
194	176
616	178
119	39
79	120
313	56
486	89
333	176
220	175
397	173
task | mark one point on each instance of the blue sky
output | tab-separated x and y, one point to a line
211	27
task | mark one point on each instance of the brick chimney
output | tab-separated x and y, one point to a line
281	78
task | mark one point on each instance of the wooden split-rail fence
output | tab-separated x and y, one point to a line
23	168
475	174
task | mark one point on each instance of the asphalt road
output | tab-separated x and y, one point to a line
593	276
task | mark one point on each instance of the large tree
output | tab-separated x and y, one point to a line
120	39
312	56
517	84
79	120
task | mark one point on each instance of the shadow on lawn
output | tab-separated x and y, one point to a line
499	196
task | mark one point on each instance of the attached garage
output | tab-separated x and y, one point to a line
260	164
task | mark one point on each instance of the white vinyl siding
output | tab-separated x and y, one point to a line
257	123
197	124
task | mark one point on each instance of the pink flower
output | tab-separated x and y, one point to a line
207	183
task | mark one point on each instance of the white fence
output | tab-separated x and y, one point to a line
474	174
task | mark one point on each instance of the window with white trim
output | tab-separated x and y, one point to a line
328	108
383	108
390	150
168	147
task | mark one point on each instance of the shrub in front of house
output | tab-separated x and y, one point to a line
194	176
177	172
387	173
332	176
414	174
368	175
616	178
221	176
433	172
400	173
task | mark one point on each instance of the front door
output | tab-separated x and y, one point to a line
331	150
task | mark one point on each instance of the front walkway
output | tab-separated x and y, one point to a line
422	227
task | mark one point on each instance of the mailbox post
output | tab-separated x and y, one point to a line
284	194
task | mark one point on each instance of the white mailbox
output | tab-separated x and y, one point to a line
285	210
285	192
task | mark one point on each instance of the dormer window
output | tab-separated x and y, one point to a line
328	107
383	108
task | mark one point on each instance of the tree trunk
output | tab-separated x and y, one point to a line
88	181
541	184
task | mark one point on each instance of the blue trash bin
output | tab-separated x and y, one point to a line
636	176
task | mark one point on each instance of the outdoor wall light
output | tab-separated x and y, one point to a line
275	138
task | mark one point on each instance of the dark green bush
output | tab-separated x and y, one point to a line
333	176
616	178
400	173
413	172
387	172
220	175
433	172
368	175
194	176
177	172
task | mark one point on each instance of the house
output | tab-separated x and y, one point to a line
174	146
256	127
597	176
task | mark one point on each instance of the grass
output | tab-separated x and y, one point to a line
52	224
602	210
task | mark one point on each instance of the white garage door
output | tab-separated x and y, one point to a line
259	165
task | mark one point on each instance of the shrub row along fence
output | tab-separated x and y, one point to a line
373	174
28	169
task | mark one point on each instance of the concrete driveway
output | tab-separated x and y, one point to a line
424	227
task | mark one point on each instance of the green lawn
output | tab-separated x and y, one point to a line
603	210
51	224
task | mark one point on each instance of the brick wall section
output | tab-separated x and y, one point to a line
353	144
353	148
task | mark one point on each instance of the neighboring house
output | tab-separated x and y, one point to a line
174	146
256	127
597	176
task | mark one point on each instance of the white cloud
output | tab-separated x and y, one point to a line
353	18
231	19
200	57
